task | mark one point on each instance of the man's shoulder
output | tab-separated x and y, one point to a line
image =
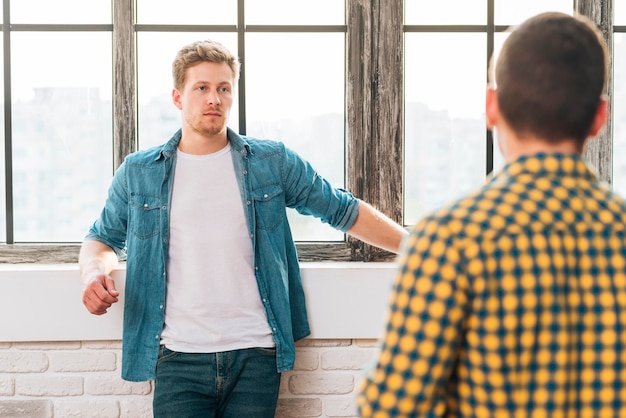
145	156
264	146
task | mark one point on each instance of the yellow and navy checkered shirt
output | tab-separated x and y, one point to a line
510	303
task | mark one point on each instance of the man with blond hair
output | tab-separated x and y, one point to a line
214	300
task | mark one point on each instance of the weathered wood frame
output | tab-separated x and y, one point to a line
374	119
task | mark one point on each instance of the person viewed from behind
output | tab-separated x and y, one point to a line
511	302
213	296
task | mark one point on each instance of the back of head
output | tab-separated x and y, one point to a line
202	51
550	76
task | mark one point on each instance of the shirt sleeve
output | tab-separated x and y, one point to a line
111	226
424	329
311	194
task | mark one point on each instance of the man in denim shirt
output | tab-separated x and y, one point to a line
214	300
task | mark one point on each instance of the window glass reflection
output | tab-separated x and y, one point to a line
62	133
445	12
289	12
61	11
300	101
445	134
513	12
187	12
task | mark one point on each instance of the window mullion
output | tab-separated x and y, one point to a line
124	87
599	152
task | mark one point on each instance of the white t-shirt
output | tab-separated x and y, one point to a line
212	299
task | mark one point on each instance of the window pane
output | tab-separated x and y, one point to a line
187	12
513	12
61	11
445	12
619	114
3	220
445	132
289	12
498	159
158	118
301	103
62	133
619	13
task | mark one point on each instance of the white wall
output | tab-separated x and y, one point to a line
56	359
43	302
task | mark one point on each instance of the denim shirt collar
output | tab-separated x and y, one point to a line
237	142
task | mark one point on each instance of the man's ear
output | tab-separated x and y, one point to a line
599	120
176	99
492	109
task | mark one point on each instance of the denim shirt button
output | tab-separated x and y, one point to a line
245	171
247	202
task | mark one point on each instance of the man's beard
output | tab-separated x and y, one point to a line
207	129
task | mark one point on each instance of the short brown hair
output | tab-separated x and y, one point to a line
550	76
202	51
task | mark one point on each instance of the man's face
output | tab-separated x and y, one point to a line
206	98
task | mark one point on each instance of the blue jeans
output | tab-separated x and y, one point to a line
233	384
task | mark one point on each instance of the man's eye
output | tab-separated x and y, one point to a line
202	88
224	89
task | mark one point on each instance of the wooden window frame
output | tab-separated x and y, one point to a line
374	119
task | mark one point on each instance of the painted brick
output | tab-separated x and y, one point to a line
114	385
7	386
347	359
56	345
284	383
23	362
321	384
298	407
26	409
306	360
323	343
83	361
49	385
81	408
340	407
136	407
4	346
103	345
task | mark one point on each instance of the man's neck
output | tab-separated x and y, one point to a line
196	144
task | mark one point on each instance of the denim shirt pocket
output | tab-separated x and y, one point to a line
144	215
269	206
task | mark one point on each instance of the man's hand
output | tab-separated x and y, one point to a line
99	293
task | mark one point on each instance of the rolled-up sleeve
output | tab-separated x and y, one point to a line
311	194
111	226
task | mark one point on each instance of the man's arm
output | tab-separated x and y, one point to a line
373	227
96	261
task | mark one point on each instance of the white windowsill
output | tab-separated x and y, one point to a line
43	302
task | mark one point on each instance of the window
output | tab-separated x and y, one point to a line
619	99
447	46
369	93
59	134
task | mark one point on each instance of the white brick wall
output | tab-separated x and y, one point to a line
82	380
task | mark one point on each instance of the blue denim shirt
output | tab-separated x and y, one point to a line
135	223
